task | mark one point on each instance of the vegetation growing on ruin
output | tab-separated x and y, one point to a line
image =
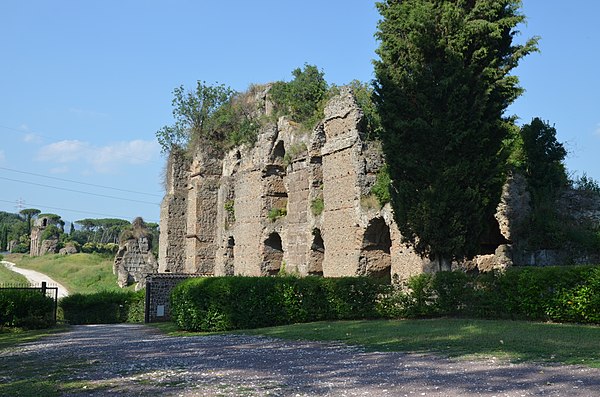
303	98
276	213
539	156
213	114
442	86
317	206
294	152
363	94
229	207
381	188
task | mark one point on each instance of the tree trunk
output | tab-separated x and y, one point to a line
444	264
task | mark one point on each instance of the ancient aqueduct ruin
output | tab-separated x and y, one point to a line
254	211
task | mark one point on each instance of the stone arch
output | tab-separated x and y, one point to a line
279	151
230	257
317	253
272	255
375	259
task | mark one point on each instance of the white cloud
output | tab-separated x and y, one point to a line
66	151
101	159
32	138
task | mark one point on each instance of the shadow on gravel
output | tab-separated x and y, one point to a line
138	360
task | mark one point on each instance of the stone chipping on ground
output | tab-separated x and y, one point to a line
136	360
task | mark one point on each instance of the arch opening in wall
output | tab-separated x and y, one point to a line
317	254
375	259
230	257
238	160
272	255
279	151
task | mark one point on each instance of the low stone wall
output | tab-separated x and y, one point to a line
158	291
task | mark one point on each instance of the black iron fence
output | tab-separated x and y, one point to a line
44	288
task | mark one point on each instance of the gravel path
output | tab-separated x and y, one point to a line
37	278
135	360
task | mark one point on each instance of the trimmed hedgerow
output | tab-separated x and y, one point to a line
106	307
25	309
560	294
225	303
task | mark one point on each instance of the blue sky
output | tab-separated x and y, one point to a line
84	85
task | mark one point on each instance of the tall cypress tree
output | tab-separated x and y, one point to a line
442	86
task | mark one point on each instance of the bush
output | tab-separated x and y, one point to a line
26	309
106	307
303	98
562	294
225	303
21	248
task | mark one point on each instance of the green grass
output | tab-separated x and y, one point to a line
515	341
79	273
10	277
10	337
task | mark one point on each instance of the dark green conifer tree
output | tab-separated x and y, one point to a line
442	86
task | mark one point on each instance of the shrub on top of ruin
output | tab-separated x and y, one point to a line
303	98
586	184
371	122
215	114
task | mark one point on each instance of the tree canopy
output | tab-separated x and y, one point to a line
442	86
213	114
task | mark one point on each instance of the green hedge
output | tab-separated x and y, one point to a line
560	294
106	307
225	303
25	309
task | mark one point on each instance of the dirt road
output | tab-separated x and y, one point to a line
37	278
136	360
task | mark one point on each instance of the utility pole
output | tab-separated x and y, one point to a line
20	205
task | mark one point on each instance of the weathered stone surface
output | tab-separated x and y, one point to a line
252	211
68	249
38	246
49	246
133	261
514	207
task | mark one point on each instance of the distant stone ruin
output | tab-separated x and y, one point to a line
134	259
300	202
38	246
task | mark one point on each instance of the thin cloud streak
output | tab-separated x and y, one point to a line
102	159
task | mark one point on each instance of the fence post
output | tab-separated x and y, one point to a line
44	286
55	304
147	305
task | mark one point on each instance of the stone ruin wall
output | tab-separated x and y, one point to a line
215	215
133	261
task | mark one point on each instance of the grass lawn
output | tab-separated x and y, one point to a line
79	273
11	337
10	277
516	341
